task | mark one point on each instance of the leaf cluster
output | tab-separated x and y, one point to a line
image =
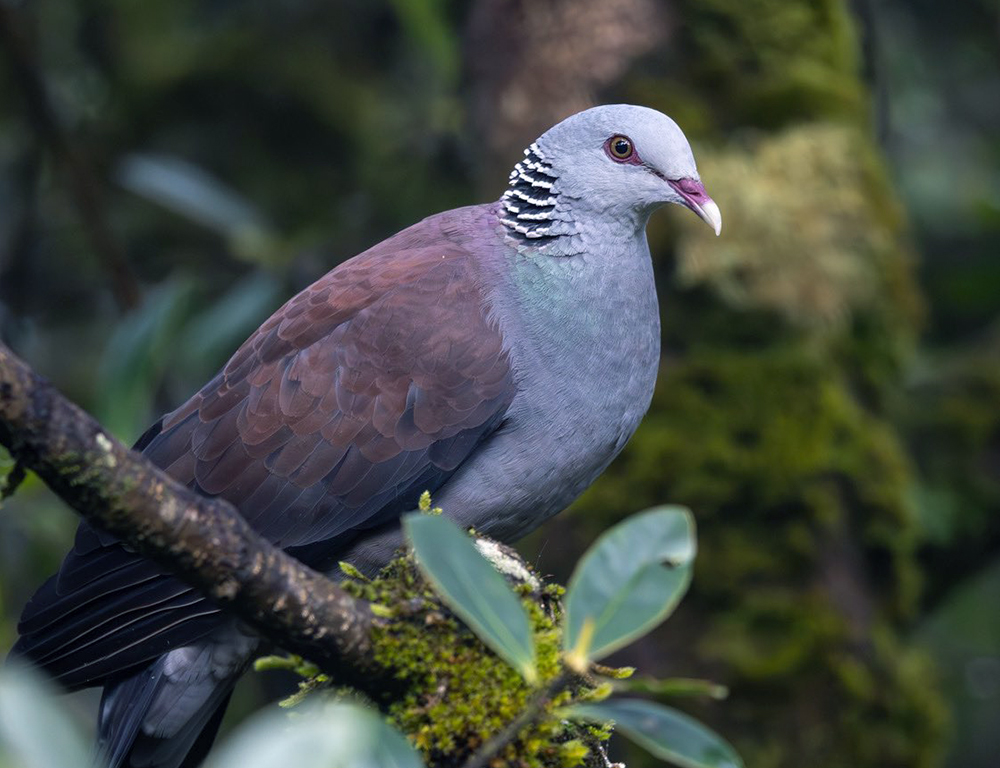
536	699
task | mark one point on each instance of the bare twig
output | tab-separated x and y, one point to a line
203	541
85	189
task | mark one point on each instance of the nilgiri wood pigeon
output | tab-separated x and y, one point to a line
499	356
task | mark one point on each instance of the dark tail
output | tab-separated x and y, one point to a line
162	717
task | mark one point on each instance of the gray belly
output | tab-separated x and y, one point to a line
553	446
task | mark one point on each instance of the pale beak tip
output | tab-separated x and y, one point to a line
712	215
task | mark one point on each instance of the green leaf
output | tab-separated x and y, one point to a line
662	731
473	589
11	476
192	192
426	21
136	356
673	686
325	736
629	581
35	732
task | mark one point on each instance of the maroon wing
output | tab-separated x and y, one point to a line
385	371
367	388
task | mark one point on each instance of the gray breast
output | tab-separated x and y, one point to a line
585	333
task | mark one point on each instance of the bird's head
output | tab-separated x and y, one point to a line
619	161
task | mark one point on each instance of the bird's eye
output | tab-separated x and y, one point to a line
620	147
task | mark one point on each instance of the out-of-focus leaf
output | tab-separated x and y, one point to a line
213	335
962	635
135	356
190	191
427	23
163	333
673	686
940	511
473	589
34	730
628	582
11	479
327	736
664	732
7	464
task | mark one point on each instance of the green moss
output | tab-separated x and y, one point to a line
817	181
776	434
772	61
761	63
454	693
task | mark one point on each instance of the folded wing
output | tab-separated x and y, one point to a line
367	388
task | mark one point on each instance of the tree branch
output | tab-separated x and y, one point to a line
205	542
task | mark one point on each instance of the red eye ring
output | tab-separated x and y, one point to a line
620	148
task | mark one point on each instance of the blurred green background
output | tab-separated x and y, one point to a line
829	403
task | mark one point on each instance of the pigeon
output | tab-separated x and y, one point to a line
498	356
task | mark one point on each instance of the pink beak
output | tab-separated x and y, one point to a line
697	199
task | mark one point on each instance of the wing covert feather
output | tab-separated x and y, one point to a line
364	380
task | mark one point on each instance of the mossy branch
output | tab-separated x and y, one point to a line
531	714
205	542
